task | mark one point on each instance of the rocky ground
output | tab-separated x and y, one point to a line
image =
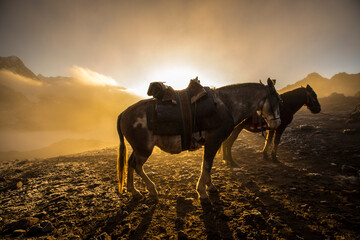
313	193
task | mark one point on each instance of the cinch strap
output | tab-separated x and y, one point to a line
185	118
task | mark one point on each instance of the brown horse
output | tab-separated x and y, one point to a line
292	101
234	103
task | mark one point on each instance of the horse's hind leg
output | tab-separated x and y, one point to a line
229	142
205	178
140	160
130	178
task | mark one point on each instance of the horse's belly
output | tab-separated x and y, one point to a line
169	144
172	144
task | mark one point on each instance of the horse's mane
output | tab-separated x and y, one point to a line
241	85
296	91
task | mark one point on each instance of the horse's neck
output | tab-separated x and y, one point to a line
295	100
241	101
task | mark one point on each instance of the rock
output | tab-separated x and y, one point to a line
185	201
41	214
144	207
355	115
23	223
46	226
126	229
18	233
102	236
34	231
306	128
40	229
19	184
349	170
349	131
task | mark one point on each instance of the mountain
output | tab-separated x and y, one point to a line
15	65
347	84
58	108
64	147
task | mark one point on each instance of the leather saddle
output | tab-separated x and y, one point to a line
181	112
165	93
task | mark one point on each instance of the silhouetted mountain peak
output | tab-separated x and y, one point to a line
15	65
314	75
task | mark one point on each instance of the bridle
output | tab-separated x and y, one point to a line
310	102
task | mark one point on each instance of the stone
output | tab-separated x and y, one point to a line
46	226
102	236
19	184
18	233
349	170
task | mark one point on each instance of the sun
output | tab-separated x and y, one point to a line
176	75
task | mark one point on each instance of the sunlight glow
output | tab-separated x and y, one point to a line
177	76
90	77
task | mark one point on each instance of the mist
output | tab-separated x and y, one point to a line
50	109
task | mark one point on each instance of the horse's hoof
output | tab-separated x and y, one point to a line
137	196
203	196
153	196
212	189
274	158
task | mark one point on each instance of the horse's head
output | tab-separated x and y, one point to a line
270	109
312	101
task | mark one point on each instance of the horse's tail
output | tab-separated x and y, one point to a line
122	158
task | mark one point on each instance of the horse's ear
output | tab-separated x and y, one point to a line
308	87
271	83
260	82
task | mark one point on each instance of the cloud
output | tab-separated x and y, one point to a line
90	77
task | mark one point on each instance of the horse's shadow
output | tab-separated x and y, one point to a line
139	232
214	218
271	206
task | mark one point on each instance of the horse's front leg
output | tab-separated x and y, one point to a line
268	143
277	138
205	178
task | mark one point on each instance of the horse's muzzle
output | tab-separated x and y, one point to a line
275	123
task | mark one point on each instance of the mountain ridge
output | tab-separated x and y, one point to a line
343	83
62	147
16	65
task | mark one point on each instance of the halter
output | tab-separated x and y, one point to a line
310	101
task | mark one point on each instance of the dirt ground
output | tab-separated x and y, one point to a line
313	193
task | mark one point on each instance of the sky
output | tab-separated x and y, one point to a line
223	42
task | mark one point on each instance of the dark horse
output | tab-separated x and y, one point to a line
233	104
292	101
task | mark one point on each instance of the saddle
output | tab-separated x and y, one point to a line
165	93
183	112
